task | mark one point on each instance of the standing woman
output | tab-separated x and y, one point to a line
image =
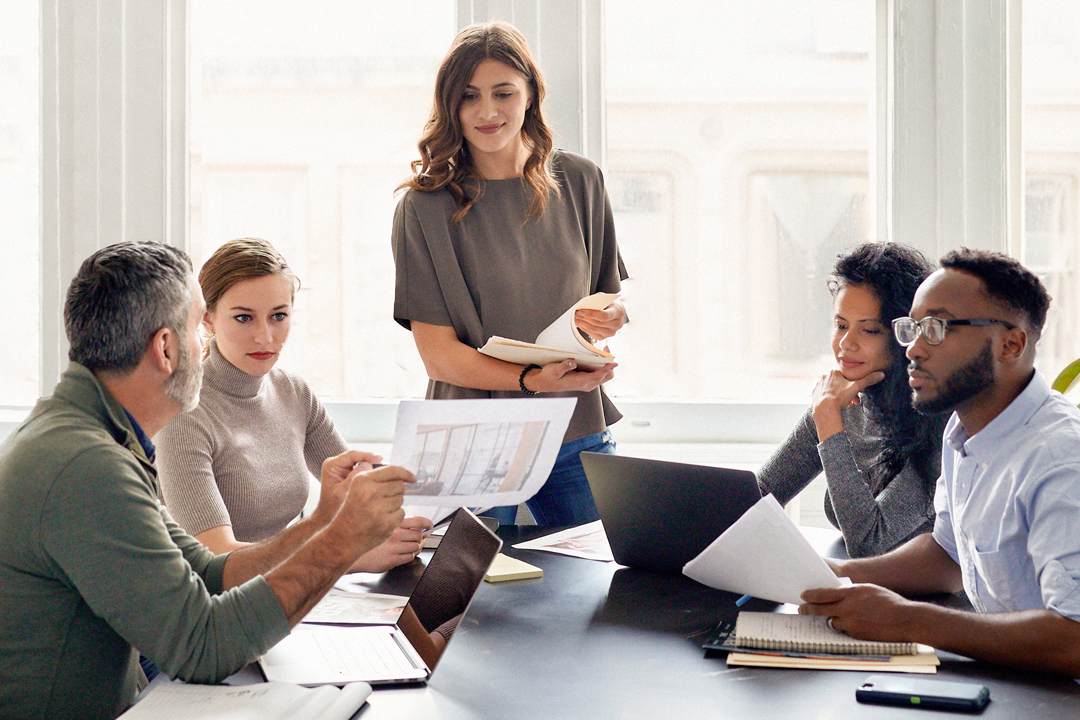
880	457
234	470
497	234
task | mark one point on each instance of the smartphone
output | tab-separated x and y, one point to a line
912	692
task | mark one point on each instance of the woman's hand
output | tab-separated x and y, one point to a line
832	394
403	545
601	324
565	376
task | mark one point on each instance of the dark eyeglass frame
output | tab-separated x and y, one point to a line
920	327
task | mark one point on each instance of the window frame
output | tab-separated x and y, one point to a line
947	165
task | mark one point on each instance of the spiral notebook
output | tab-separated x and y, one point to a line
807	634
804	641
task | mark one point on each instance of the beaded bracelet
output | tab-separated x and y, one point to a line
521	379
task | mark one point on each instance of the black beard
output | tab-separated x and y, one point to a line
962	385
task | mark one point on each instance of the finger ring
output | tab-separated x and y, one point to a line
828	621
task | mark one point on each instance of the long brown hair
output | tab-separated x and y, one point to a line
236	260
444	155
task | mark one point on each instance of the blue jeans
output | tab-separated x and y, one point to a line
565	498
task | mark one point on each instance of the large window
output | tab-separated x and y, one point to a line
738	164
1051	130
304	119
19	202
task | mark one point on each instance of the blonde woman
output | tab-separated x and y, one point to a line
234	470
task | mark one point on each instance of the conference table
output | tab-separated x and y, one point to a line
596	640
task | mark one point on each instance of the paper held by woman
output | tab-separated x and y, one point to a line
561	340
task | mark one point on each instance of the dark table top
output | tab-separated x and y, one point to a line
594	640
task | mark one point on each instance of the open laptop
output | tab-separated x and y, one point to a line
659	515
406	651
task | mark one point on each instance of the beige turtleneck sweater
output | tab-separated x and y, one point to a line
242	457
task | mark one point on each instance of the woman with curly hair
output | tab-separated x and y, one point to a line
498	234
880	457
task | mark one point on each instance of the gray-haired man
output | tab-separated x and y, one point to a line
91	564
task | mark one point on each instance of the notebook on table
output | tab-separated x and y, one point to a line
660	515
404	652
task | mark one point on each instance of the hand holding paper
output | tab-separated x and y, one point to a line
561	340
763	555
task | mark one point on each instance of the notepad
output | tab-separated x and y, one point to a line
807	633
508	568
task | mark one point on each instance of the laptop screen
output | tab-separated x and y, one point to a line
448	585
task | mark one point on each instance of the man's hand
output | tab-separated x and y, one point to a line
371	508
334	482
867	612
403	545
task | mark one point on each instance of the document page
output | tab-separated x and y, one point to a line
263	701
345	607
762	555
587	541
479	453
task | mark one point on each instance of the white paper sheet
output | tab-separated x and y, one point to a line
264	701
587	541
345	607
472	453
762	555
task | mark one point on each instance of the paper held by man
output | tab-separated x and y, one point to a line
763	555
561	340
478	453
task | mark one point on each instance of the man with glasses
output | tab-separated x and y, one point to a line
1008	500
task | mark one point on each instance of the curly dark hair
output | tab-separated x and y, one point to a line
1007	282
893	272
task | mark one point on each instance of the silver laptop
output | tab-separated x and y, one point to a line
408	651
659	515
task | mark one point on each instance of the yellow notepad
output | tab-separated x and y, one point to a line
508	568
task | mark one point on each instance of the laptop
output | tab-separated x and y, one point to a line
660	515
408	651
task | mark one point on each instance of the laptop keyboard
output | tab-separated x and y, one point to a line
370	650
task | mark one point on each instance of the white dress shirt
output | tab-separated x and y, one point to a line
1008	505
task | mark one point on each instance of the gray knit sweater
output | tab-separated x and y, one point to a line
242	457
874	518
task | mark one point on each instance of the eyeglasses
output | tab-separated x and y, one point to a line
907	330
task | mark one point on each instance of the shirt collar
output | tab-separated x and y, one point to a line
144	440
1007	422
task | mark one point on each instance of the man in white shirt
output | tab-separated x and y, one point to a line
1008	500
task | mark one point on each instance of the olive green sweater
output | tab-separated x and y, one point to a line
91	565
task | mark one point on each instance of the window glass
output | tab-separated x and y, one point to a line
1051	137
20	202
304	119
738	164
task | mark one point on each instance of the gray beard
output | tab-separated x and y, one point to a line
184	384
962	385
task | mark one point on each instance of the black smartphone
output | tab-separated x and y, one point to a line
912	692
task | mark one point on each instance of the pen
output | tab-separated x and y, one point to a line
742	601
